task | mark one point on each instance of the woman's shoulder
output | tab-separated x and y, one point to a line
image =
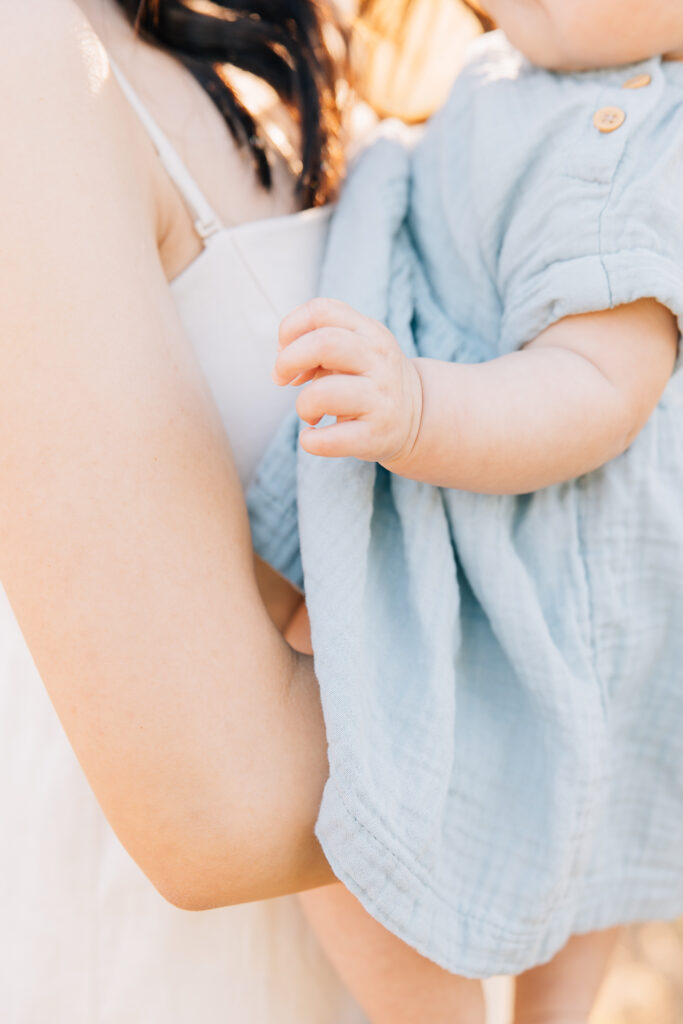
49	53
68	132
59	77
37	23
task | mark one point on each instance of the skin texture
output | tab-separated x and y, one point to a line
124	543
589	33
395	986
563	991
391	982
563	405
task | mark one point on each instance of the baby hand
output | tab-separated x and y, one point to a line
358	373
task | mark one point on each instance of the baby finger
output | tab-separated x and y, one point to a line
335	395
338	440
317	313
329	348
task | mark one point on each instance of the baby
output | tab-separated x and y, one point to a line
497	618
574	392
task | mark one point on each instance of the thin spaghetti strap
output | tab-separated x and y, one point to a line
206	221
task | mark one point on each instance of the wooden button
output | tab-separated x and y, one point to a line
608	119
638	82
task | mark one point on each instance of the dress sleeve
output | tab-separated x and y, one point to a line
597	222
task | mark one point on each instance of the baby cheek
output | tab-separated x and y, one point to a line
598	33
532	27
568	34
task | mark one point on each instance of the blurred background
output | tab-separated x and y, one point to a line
645	984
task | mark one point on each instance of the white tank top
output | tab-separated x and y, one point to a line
84	937
233	296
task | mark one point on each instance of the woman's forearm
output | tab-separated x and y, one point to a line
198	728
124	542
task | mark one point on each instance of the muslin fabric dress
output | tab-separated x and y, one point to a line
84	937
502	675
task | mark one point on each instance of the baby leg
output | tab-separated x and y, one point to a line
564	990
391	982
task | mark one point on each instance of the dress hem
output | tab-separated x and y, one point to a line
477	946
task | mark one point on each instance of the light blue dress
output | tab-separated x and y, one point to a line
502	677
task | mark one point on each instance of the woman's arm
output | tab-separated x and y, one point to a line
124	543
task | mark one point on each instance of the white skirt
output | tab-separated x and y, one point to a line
86	939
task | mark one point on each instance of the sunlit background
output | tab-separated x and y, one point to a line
406	62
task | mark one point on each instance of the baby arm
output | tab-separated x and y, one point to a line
561	406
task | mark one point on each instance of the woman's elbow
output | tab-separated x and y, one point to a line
195	860
185	891
173	865
247	860
202	872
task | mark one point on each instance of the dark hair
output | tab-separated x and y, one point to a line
282	42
